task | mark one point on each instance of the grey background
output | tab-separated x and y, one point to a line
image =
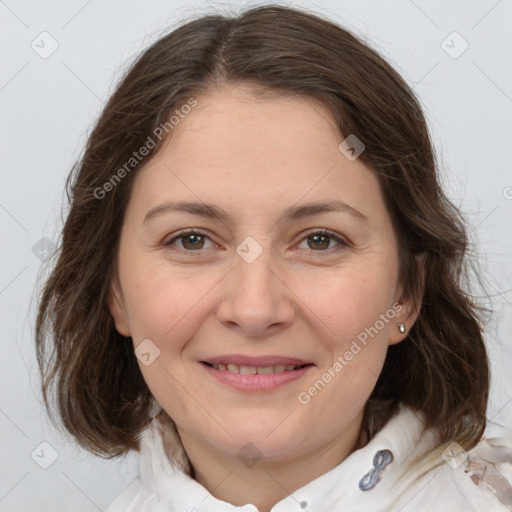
47	106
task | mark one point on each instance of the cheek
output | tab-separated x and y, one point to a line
351	300
161	301
355	314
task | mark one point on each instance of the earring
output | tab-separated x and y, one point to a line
401	327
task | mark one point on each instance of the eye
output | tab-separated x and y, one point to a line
191	240
194	240
320	240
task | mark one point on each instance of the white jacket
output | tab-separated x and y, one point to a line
368	480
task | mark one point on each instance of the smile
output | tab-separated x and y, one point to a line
253	370
255	378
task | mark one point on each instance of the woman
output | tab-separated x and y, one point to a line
261	284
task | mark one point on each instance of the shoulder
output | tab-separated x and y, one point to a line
141	491
131	499
160	478
475	480
489	464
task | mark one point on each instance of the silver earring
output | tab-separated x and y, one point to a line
401	327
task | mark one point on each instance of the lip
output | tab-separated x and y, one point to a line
242	360
257	383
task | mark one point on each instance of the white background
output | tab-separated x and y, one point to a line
48	106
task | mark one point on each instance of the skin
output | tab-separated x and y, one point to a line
302	297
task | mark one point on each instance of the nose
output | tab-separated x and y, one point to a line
256	298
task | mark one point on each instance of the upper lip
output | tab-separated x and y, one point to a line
242	360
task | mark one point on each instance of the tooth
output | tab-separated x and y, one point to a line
248	370
263	370
253	370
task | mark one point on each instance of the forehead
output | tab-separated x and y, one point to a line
244	118
255	150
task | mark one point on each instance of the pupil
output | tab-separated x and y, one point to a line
318	240
194	240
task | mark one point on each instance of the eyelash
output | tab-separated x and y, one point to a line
343	243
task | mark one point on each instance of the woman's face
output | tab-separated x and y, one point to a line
260	279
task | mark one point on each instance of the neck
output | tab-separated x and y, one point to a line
269	480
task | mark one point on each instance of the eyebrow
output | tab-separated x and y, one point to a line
211	211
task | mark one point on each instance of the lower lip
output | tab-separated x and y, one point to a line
256	382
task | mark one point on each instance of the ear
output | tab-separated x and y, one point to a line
117	309
407	312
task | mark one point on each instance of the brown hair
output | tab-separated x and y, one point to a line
441	368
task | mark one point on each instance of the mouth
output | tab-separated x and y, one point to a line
255	374
255	370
